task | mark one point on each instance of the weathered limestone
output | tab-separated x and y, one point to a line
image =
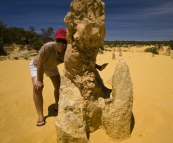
70	124
85	102
120	52
168	51
171	55
100	51
117	111
113	55
15	52
161	50
85	33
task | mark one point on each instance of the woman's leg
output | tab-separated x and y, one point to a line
56	83
38	100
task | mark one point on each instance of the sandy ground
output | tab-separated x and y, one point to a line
152	79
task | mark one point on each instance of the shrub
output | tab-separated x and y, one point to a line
2	51
152	50
37	44
171	44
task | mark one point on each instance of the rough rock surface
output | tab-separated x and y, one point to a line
171	55
14	52
117	116
84	100
161	51
168	51
113	55
70	124
120	52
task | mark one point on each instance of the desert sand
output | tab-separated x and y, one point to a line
152	79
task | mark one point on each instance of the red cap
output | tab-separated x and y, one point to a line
60	33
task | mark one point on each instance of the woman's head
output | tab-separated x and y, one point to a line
60	34
60	38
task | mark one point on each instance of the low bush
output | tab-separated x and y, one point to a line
151	50
37	44
2	51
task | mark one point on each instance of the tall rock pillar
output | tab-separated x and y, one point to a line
85	35
85	102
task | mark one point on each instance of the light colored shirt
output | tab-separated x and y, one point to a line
48	51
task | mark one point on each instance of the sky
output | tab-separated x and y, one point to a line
139	20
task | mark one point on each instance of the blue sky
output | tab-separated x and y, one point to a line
144	20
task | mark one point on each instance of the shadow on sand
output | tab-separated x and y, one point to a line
51	111
132	123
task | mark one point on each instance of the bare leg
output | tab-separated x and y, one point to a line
38	100
56	83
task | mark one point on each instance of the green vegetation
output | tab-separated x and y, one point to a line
138	43
37	44
2	51
33	40
152	50
23	37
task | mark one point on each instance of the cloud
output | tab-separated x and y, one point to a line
126	19
152	20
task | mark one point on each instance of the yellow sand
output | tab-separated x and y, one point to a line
152	79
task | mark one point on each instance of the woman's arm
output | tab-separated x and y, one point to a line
39	82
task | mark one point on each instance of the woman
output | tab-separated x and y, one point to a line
50	55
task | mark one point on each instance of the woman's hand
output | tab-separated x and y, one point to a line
103	66
38	86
